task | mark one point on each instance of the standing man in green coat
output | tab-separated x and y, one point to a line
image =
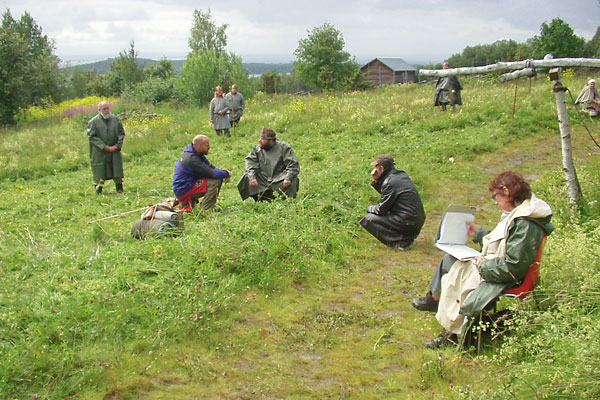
271	167
106	134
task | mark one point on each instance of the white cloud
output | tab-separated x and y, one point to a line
369	27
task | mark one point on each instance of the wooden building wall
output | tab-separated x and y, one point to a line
379	74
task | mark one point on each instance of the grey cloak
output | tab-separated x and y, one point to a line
237	106
219	121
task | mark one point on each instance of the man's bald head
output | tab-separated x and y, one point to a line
201	144
200	138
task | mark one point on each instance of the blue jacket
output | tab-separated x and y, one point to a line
191	167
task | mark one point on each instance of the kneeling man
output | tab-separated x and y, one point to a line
195	177
398	218
271	167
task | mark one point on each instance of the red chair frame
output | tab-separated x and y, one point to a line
531	278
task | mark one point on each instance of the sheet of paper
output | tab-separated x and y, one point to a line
460	251
453	233
454	228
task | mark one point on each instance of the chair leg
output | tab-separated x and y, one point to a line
463	334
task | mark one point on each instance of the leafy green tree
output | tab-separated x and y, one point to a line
291	84
206	35
209	65
322	61
270	82
29	72
164	69
159	85
205	70
558	39
79	81
484	54
592	48
236	73
155	90
99	85
125	70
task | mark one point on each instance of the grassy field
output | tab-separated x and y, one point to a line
290	299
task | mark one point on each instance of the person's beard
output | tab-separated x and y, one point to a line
266	146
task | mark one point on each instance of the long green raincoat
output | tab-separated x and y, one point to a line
101	133
509	251
270	168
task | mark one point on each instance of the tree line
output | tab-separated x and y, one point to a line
556	38
30	73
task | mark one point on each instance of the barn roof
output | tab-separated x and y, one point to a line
394	63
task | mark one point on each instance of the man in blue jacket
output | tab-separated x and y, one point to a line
196	177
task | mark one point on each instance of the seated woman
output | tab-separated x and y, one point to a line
464	288
589	99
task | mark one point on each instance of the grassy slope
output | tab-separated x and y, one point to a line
289	299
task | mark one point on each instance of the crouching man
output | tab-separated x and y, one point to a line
398	218
271	167
195	177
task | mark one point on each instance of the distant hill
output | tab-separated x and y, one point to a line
254	68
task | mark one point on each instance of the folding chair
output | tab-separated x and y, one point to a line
531	278
518	292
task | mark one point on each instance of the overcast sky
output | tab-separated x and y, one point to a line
419	31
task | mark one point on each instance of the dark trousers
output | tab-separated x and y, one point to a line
388	232
436	281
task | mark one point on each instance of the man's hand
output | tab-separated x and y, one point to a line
254	183
286	183
375	174
227	179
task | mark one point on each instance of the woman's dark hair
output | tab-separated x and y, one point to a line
519	189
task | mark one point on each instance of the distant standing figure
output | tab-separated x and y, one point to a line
589	99
236	105
106	134
219	108
271	167
447	91
196	177
398	218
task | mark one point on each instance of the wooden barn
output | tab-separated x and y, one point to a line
388	71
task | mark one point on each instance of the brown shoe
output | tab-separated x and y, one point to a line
427	303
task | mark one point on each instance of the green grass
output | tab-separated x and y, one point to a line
290	299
